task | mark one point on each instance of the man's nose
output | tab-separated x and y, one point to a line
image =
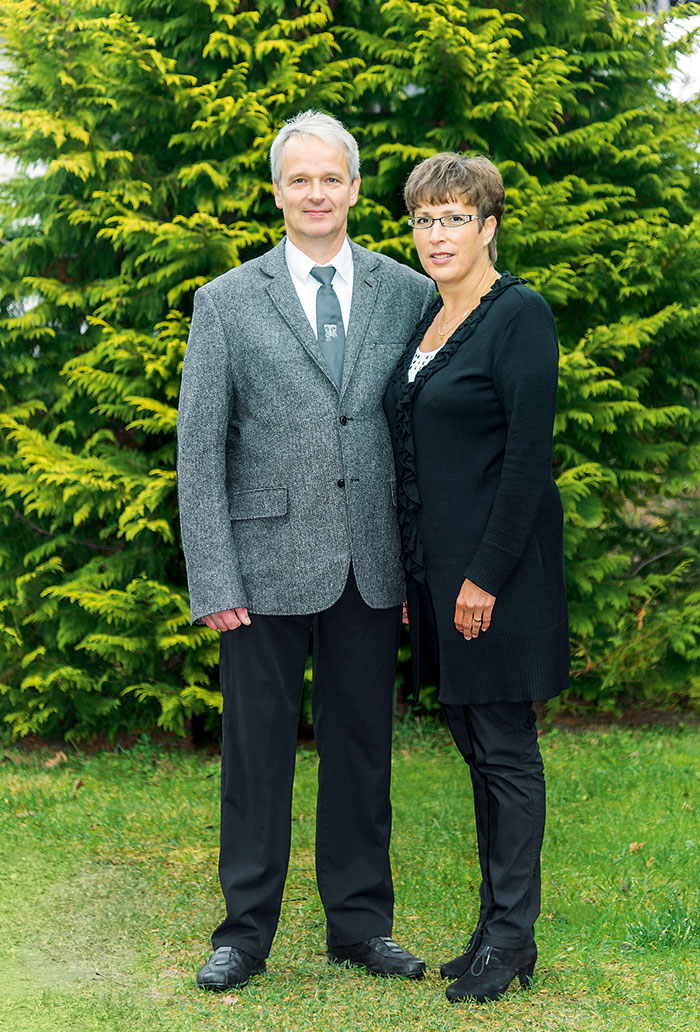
316	189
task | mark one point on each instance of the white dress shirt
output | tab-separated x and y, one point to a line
300	266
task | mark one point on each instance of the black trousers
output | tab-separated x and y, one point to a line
499	742
262	670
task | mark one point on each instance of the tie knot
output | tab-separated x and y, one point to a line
324	274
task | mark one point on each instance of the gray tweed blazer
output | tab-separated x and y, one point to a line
283	479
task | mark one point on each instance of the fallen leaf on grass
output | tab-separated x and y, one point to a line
636	846
229	999
78	783
60	757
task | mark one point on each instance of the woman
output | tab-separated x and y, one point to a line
471	408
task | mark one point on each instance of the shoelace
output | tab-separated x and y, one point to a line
482	957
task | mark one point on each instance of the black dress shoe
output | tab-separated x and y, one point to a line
380	955
228	968
456	967
491	972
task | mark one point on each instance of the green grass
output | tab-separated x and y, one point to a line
108	894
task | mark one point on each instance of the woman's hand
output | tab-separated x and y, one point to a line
473	610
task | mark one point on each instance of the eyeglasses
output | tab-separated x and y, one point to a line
448	221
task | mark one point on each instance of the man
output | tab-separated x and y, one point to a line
288	509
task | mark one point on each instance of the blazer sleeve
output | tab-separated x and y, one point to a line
525	374
206	398
430	293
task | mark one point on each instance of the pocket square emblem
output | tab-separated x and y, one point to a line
330	330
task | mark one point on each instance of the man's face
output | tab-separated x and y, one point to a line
315	192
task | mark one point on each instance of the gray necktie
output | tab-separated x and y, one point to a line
329	321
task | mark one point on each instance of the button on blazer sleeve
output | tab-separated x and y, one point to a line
525	373
206	397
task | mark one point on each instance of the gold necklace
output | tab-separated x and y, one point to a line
442	333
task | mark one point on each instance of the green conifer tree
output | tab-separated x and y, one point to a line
141	133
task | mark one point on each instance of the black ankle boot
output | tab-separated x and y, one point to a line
456	967
491	972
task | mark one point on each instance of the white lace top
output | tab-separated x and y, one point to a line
419	361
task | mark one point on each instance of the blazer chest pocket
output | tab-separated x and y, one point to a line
258	503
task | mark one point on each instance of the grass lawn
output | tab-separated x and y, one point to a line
108	894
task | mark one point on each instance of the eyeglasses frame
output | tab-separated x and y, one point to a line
467	219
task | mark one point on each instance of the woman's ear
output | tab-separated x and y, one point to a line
490	226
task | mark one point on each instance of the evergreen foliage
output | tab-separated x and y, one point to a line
141	132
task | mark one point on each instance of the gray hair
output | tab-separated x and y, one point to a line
326	128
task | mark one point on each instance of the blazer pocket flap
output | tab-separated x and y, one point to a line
258	503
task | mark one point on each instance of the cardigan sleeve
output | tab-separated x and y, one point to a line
525	372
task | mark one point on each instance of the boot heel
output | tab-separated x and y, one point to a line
525	976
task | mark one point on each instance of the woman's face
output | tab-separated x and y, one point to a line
451	255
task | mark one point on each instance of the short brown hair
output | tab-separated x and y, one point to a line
454	177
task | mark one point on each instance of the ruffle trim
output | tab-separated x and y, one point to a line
409	501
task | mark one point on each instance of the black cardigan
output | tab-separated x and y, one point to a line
473	441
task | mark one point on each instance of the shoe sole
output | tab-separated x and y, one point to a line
344	962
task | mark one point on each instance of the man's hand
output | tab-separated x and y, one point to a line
473	610
227	619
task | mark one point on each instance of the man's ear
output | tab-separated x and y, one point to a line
278	194
355	190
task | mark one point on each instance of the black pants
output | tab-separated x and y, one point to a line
262	670
499	742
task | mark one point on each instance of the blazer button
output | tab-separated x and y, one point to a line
343	420
341	483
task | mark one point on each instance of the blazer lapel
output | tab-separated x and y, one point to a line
365	287
286	301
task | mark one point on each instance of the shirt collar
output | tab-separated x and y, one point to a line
301	265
